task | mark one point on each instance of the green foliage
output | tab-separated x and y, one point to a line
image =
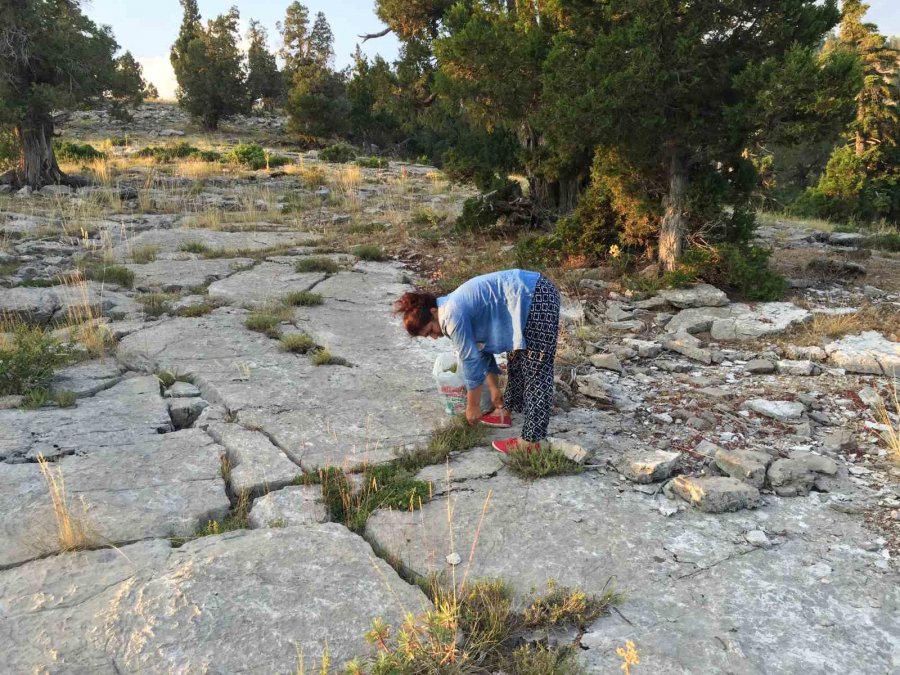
238	518
65	398
370	252
323	357
9	148
266	321
196	247
118	141
541	463
565	606
73	151
128	83
264	82
303	299
481	213
155	304
209	66
373	162
887	241
338	153
248	154
109	273
28	360
179	150
741	269
197	310
317	264
298	343
144	254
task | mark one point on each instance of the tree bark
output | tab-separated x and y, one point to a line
558	196
37	161
672	227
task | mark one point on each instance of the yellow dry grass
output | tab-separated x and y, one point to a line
891	434
826	327
73	529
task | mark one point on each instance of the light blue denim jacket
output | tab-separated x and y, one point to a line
486	316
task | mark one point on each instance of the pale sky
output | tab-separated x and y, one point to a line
148	28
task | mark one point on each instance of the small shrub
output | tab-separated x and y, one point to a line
317	264
298	343
180	150
744	270
65	399
39	283
456	436
117	141
167	378
28	361
541	463
339	153
889	241
250	155
480	213
303	299
36	398
564	606
198	310
538	659
373	162
111	274
323	357
264	322
72	151
369	252
155	304
144	254
195	247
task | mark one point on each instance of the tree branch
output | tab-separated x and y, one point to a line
373	36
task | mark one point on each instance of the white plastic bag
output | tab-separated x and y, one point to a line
447	372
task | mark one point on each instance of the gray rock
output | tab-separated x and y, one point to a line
176	275
11	401
816	463
182	390
689	346
791	477
616	312
606	362
340	218
798	368
185	411
633	326
265	284
758	539
293	505
832	267
783	411
245	601
748	466
573	451
650	466
645	348
868	353
86	379
799	353
36	305
462	467
257	466
766	318
166	486
846	238
840	440
760	367
57	191
716	495
701	295
654	304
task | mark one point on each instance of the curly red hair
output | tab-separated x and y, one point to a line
416	309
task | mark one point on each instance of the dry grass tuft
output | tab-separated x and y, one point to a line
73	531
891	435
823	328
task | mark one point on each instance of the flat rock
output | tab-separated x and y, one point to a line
748	466
716	495
265	284
293	505
167	486
130	412
700	295
319	416
750	323
783	411
87	379
791	477
760	367
607	362
176	275
651	466
182	390
691	347
172	240
833	267
36	305
463	466
798	368
803	353
240	602
840	440
645	348
846	238
257	466
867	353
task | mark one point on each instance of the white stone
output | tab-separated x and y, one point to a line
782	411
292	505
701	295
868	353
758	539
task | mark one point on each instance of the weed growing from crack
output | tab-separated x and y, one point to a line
65	399
303	299
109	274
323	357
565	606
196	247
238	518
369	252
167	378
155	304
142	255
891	435
198	310
546	461
73	531
317	264
297	343
266	321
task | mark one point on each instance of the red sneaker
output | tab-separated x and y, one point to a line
508	445
492	419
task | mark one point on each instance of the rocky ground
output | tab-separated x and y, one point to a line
738	491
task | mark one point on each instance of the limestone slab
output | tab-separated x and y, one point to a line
172	240
783	411
266	283
177	275
241	602
867	353
699	295
87	379
293	505
257	465
156	488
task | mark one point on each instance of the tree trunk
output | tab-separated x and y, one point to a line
671	231
860	144
37	161
558	196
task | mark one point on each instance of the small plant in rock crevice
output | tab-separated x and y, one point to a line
298	343
303	299
541	463
369	252
323	357
73	529
267	321
317	264
28	360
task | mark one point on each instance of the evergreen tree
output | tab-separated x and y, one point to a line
264	81
52	57
151	92
209	67
317	104
129	85
371	92
862	179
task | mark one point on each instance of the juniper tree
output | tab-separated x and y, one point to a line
209	66
52	57
264	81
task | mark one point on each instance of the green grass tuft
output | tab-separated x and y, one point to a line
266	321
369	252
195	247
109	274
28	360
317	264
144	254
303	299
65	399
323	357
298	343
541	463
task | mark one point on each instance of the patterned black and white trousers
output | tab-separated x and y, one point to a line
529	388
